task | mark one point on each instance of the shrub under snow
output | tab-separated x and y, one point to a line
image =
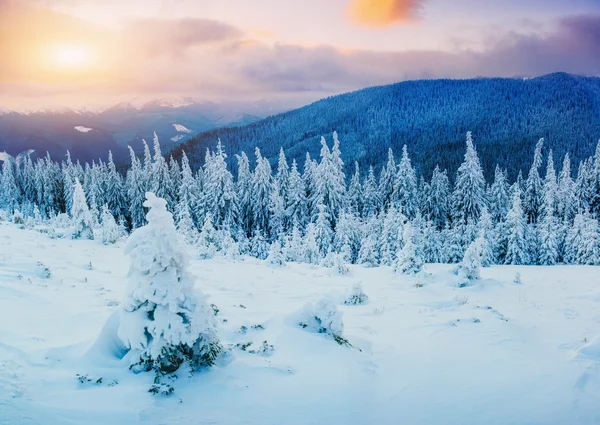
324	317
357	296
163	322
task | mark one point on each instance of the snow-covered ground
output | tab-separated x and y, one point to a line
493	353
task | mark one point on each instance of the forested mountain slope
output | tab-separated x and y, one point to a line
506	115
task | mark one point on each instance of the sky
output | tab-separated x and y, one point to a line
94	53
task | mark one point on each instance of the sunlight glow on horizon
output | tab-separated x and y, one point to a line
70	56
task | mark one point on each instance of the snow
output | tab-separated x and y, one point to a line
177	138
493	352
83	129
181	128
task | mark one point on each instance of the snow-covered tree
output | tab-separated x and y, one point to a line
534	187
207	239
371	199
515	227
472	260
355	200
164	323
80	215
499	197
387	180
262	187
185	223
469	190
110	231
436	205
312	253
408	259
405	196
296	205
276	256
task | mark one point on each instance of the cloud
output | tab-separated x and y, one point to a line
381	13
174	36
211	59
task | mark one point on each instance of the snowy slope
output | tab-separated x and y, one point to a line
493	353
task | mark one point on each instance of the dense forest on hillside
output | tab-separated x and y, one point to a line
507	116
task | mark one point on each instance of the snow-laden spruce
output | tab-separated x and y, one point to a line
80	214
164	323
408	259
314	211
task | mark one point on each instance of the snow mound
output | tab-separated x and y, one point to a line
82	129
591	350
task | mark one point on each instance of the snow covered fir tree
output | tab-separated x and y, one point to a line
323	207
164	323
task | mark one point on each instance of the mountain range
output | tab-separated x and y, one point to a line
507	116
89	135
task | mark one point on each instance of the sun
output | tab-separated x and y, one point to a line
70	56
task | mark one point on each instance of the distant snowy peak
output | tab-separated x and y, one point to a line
82	129
177	138
181	128
170	102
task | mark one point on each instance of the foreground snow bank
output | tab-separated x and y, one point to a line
495	352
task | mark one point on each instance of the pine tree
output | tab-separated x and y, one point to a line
309	176
355	200
244	192
436	204
207	239
515	226
565	196
294	249
582	242
80	215
220	200
499	196
9	194
161	184
282	177
548	227
136	189
595	183
185	223
296	206
278	217
163	322
368	255
312	254
469	191
262	187
472	261
371	200
405	196
323	231
109	230
387	180
534	187
276	256
330	187
391	235
347	236
408	259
